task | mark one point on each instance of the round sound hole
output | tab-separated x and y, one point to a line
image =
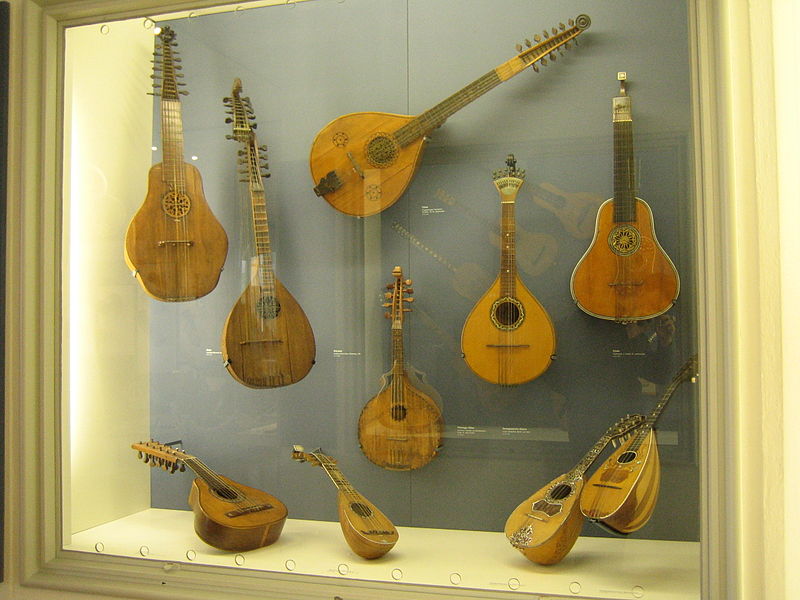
624	240
175	204
507	313
362	510
559	492
399	412
381	150
225	493
268	307
626	457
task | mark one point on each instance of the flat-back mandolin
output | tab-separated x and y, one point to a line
545	526
401	427
621	495
625	275
508	338
174	244
227	515
361	163
267	341
367	531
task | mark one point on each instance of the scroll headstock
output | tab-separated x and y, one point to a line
316	458
253	158
157	454
400	293
546	46
509	180
165	67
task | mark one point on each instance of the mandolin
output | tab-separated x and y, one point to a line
545	526
401	427
508	338
621	495
367	531
267	341
174	244
227	515
625	275
361	163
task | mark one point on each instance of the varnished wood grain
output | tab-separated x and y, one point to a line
179	272
639	286
371	535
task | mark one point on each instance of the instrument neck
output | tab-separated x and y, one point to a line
590	457
210	477
172	144
508	253
398	351
650	422
624	169
337	477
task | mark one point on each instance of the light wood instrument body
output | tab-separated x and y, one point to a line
641	285
227	515
367	531
361	163
508	337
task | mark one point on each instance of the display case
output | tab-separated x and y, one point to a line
136	368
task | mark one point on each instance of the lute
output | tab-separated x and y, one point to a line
361	163
545	526
174	244
401	427
621	494
367	531
267	340
227	515
625	275
508	337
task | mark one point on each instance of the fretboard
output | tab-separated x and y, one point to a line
624	171
398	358
172	145
508	254
590	457
203	472
338	479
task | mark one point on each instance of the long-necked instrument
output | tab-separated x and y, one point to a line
621	495
545	526
508	338
174	244
361	163
227	515
267	340
625	275
401	427
367	531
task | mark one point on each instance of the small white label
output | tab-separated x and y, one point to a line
432	210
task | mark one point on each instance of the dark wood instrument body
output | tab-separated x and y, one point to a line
367	531
176	259
508	357
401	427
623	495
640	285
370	181
240	533
551	537
267	352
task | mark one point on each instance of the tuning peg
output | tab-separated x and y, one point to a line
614	442
228	120
146	458
387	295
386	304
554	31
389	286
139	454
182	468
552	56
183	92
254	126
387	315
546	35
544	62
176	58
537	38
571	22
173	468
519	47
226	100
408	299
263	147
406	310
536	68
561	26
528	42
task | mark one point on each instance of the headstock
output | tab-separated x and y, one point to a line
622	427
509	180
316	458
689	371
253	158
165	67
397	296
546	46
157	454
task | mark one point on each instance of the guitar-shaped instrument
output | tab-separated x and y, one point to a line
361	163
625	275
367	531
227	515
267	340
545	526
174	244
401	427
508	338
621	495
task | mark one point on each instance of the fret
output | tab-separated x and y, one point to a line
398	353
624	170
508	254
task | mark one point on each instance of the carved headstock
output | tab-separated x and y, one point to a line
546	46
316	458
509	180
157	454
165	67
400	293
622	427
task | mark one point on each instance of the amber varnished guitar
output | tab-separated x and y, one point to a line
367	531
621	495
545	526
361	163
400	428
174	245
267	340
625	275
227	515
508	337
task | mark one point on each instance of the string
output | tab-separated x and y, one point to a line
218	485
